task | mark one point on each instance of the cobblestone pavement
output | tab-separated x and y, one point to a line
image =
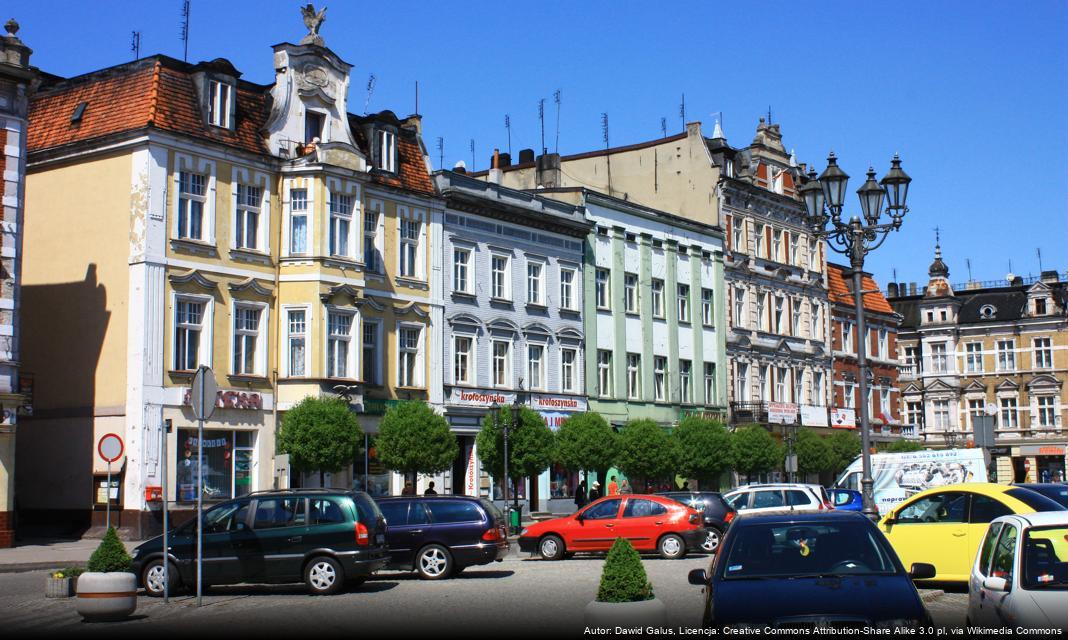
518	597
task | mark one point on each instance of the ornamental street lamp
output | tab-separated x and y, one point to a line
855	239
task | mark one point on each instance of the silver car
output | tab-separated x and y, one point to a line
1020	574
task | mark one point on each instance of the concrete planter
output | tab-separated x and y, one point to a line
106	596
59	587
646	613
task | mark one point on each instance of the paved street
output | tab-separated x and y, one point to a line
522	595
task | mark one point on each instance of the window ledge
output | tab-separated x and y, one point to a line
420	389
463	294
251	255
632	314
178	373
501	301
374	275
605	309
537	305
297	259
565	310
413	283
194	246
342	262
249	378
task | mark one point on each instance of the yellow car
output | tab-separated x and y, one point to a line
945	525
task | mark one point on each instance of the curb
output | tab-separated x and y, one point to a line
931	594
25	567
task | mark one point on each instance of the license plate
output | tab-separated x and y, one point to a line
380	538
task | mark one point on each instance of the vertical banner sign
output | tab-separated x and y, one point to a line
471	477
110	448
203	396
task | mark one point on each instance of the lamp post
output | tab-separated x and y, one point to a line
495	408
516	404
855	239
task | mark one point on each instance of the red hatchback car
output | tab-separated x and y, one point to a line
650	523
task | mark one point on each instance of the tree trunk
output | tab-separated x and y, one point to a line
322	479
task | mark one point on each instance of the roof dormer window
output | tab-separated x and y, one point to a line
1040	307
220	104
385	150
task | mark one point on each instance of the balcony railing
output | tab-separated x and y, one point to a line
744	412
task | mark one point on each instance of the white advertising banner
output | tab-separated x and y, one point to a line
543	402
479	397
814	416
782	413
471	475
843	418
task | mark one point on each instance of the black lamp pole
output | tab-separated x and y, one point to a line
855	239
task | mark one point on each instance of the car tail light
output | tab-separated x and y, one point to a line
492	535
695	518
363	538
730	516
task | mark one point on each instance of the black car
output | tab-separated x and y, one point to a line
439	536
1057	492
809	570
323	537
715	512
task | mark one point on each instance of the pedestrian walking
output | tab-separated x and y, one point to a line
581	497
626	489
613	487
430	490
595	491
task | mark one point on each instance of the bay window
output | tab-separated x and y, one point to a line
298	221
297	339
341	208
339	344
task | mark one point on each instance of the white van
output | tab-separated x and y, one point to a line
900	475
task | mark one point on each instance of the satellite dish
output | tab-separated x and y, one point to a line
1009	277
460	165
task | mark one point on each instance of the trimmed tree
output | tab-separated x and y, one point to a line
903	446
704	449
754	450
623	577
585	441
646	451
531	445
111	555
320	434
412	439
845	447
814	454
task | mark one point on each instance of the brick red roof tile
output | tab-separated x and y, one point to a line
840	293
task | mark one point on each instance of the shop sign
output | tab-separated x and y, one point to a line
843	418
558	403
705	414
230	400
1041	450
553	419
479	398
471	475
813	416
999	451
782	413
378	406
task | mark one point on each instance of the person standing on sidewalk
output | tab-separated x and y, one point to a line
625	489
581	498
613	487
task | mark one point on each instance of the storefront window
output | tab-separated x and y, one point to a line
227	471
562	482
368	473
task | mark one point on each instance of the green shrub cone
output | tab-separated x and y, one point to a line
623	578
110	555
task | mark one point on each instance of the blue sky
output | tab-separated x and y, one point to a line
972	94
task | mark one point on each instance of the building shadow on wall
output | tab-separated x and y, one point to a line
63	328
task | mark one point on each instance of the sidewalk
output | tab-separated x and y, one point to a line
34	555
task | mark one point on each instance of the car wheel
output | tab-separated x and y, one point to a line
672	547
433	562
711	542
152	578
551	548
324	576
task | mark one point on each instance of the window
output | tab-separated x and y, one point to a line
738	237
657	289
1009	414
781	386
247	222
818	387
462	368
765	391
408	373
1043	353
191	199
911	360
385	151
370	240
1047	411
813	256
768	499
741	381
759	235
246	340
795	241
884	401
780	315
536	367
943	315
988	548
884	343
941	414
274	513
634	366
297	338
461	270
947	507
684	303
370	353
1040	306
914	413
325	511
660	391
227	470
1006	355
499	275
409	248
604	373
799	385
606	510
455	511
1004	553
219	98
973	358
502	363
706	308
568	358
567	289
313	126
939	357
630	292
761	306
984	509
188	324
847	337
710	383
685	390
739	307
602	289
795	318
341	207
849	398
817	320
536	283
643	508
975	410
298	221
776	247
339	335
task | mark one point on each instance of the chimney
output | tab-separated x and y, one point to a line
526	156
494	174
1017	281
461	167
891	290
503	160
548	171
1050	277
414	122
912	288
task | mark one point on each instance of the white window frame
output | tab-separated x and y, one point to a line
795	317
204	348
1046	407
710	382
462	281
568	290
411	354
782	387
569	371
337	217
661	392
708	307
758	246
682	292
764	385
883	339
779	315
468	357
242	208
973	357
537	366
739	307
220	97
940	357
630	293
741	381
375	327
504	292
410	251
798	377
763	323
604	373
374	219
634	375
1006	357
941	411
206	169
738	235
777	244
1046	351
260	360
291	215
914	413
657	291
817	321
536	282
685	381
603	288
1009	412
386	143
353	364
847	337
287	352
506	383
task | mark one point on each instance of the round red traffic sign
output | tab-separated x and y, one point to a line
110	447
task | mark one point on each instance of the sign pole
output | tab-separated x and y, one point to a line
107	497
166	547
200	493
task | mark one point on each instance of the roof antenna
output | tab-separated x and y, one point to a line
541	119
135	44
1038	252
508	127
607	156
769	114
416	97
557	95
663	127
968	263
370	90
472	154
441	152
185	30
682	111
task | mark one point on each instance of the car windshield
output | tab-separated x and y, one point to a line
1045	558
1035	500
806	550
1055	492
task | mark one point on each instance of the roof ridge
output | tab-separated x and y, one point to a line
153	99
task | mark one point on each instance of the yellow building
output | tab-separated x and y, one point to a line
181	217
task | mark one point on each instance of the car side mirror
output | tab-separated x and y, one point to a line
579	517
995	583
922	571
698	577
890	520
